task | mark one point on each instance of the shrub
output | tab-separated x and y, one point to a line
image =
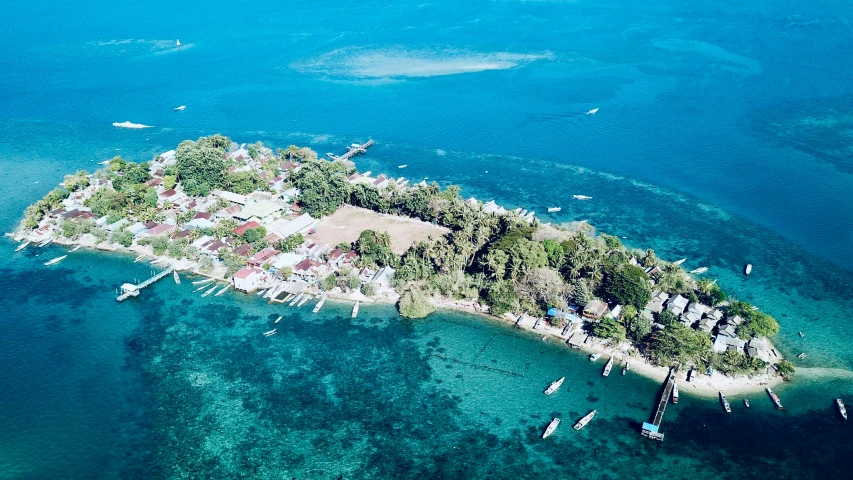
414	304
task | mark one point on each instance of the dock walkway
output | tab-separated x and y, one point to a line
131	290
651	430
352	151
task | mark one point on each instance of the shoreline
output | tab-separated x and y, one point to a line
703	386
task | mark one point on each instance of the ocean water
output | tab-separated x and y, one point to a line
722	136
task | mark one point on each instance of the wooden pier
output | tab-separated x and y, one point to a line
131	290
352	151
651	430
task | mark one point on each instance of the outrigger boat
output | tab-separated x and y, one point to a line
302	302
725	403
45	242
295	299
209	291
55	260
200	288
554	386
551	427
775	398
585	420
608	367
23	246
76	248
355	310
176	277
224	289
841	409
270	333
200	282
319	304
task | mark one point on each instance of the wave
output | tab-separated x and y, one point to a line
404	62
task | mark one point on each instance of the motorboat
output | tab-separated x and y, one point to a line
554	386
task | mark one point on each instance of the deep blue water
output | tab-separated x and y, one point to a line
722	136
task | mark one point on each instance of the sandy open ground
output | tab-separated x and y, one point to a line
347	223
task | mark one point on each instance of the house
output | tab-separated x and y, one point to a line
758	348
242	229
655	305
213	248
303	224
615	312
203	215
707	324
202	242
595	309
171	195
228	212
262	257
492	207
243	250
689	318
286	260
308	268
290	194
383	277
381	182
263	210
653	270
161	229
366	274
200	223
136	228
114	227
230	196
185	233
723	344
677	305
249	279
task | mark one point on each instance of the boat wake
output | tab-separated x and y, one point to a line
131	125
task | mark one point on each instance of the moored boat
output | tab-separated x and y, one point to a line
608	367
841	409
304	299
45	242
209	291
355	309
581	197
181	108
625	369
775	398
802	355
176	277
674	392
555	422
679	262
224	289
55	260
554	386
725	403
402	166
277	319
699	270
76	248
585	420
801	334
554	209
197	282
23	246
747	269
319	304
746	402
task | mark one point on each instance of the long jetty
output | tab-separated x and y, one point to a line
352	151
652	430
131	290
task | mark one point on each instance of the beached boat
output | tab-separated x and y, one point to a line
581	197
277	319
585	420
554	209
592	112
725	403
691	374
201	282
608	367
76	248
302	302
23	246
355	310
319	304
181	108
176	277
699	270
747	269
554	386
746	402
224	289
55	260
402	166
551	427
595	356
209	291
626	367
775	398
45	242
841	409
679	262
674	392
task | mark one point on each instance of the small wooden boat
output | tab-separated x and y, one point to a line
45	242
402	166
76	248
747	269
679	262
775	398
55	260
801	334
302	302
608	367
23	246
319	304
625	369
355	310
176	277
841	409
554	209
198	282
178	43
585	420
224	289
289	297
277	319
554	386
200	288
746	402
593	111
555	422
581	197
209	291
725	403
181	108
699	270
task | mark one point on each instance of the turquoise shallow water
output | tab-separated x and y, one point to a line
715	141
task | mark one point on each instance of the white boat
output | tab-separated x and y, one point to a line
302	302
295	299
841	409
131	125
674	392
748	269
402	166
76	248
277	319
55	260
199	282
181	108
679	262
699	270
262	291
801	334
595	356
775	398
355	310
178	42
289	297
608	367
200	288
45	242
555	422
585	420
224	289
581	197
176	277
138	258
627	366
209	291
554	209
271	332
592	112
319	304
725	403
746	402
554	386
23	246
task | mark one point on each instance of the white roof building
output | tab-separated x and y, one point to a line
301	224
230	196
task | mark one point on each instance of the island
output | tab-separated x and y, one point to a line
296	226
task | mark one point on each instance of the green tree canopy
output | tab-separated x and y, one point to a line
609	328
502	298
414	304
201	165
678	344
628	285
324	186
